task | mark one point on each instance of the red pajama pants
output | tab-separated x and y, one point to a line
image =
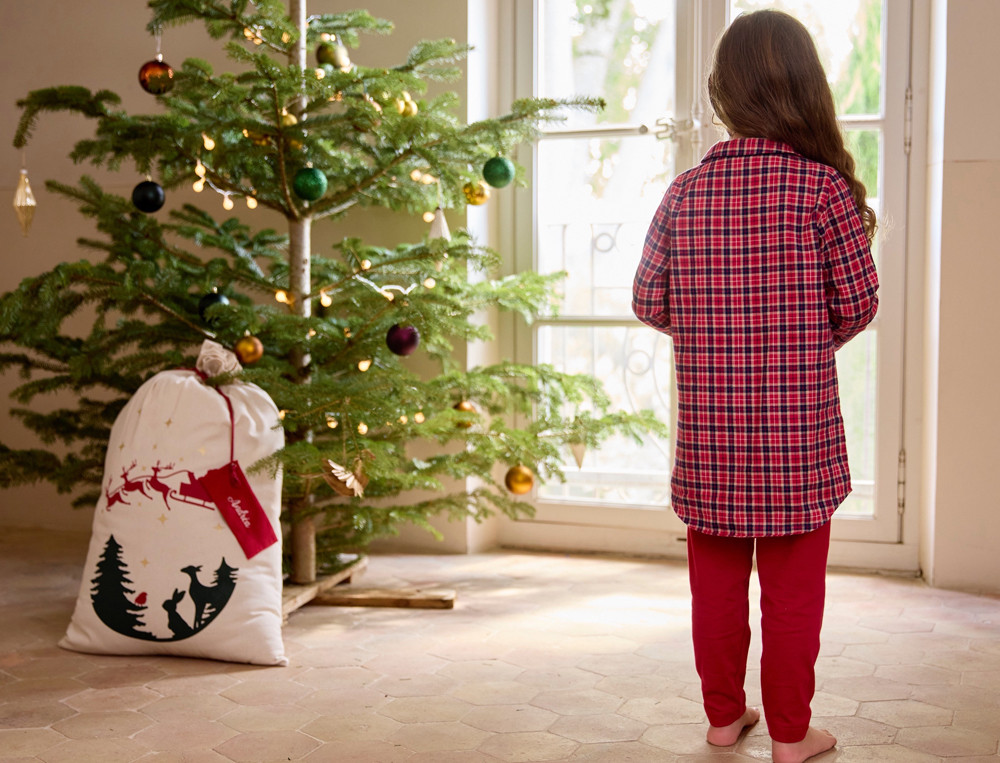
792	574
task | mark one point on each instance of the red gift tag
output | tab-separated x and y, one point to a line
232	494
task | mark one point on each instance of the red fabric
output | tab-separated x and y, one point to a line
792	574
756	263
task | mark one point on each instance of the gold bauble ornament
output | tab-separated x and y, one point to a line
464	406
519	479
249	349
287	120
476	193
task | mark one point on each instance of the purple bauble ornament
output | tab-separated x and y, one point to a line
402	340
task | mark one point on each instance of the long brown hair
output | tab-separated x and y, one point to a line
767	82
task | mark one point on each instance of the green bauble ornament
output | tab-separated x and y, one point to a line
309	184
498	171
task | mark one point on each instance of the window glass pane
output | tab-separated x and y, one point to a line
856	376
635	366
866	146
848	35
621	50
595	200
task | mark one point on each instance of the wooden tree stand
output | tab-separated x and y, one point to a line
337	590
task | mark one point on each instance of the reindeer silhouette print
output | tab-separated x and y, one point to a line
209	600
180	486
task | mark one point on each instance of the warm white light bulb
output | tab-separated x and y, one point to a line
419	417
331	422
403	419
281	296
199	169
428	217
362	428
364	365
199	185
251	202
416	175
429	283
227	202
209	143
325	299
366	264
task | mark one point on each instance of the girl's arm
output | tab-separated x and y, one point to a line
851	281
650	289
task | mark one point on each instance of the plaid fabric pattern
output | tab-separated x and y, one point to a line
756	263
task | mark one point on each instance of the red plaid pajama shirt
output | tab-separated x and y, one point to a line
756	263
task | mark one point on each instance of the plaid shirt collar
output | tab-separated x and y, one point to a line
733	147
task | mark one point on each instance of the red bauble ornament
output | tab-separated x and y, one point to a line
156	77
402	340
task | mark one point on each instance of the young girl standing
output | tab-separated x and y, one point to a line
758	264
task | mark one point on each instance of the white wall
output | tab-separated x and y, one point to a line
961	527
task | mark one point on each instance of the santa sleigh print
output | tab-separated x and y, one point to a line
180	486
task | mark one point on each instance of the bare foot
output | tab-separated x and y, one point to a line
723	736
815	742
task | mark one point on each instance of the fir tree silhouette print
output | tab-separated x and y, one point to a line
118	607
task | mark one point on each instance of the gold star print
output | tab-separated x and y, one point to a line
169	422
202	451
121	446
219	527
144	562
162	518
154	446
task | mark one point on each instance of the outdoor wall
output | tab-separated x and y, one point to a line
961	515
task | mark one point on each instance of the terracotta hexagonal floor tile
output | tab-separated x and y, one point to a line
27	715
95	751
28	743
176	736
590	729
510	718
267	718
425	709
668	711
199	707
903	713
577	702
528	746
352	727
948	742
92	725
447	736
254	747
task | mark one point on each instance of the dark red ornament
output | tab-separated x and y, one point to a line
156	77
402	340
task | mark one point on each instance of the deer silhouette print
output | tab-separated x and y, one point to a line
209	600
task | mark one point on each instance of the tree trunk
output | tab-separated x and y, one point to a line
303	546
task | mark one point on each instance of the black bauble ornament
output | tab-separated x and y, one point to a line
402	340
210	299
148	196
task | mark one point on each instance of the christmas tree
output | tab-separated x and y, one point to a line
302	130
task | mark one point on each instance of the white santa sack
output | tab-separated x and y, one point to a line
165	572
